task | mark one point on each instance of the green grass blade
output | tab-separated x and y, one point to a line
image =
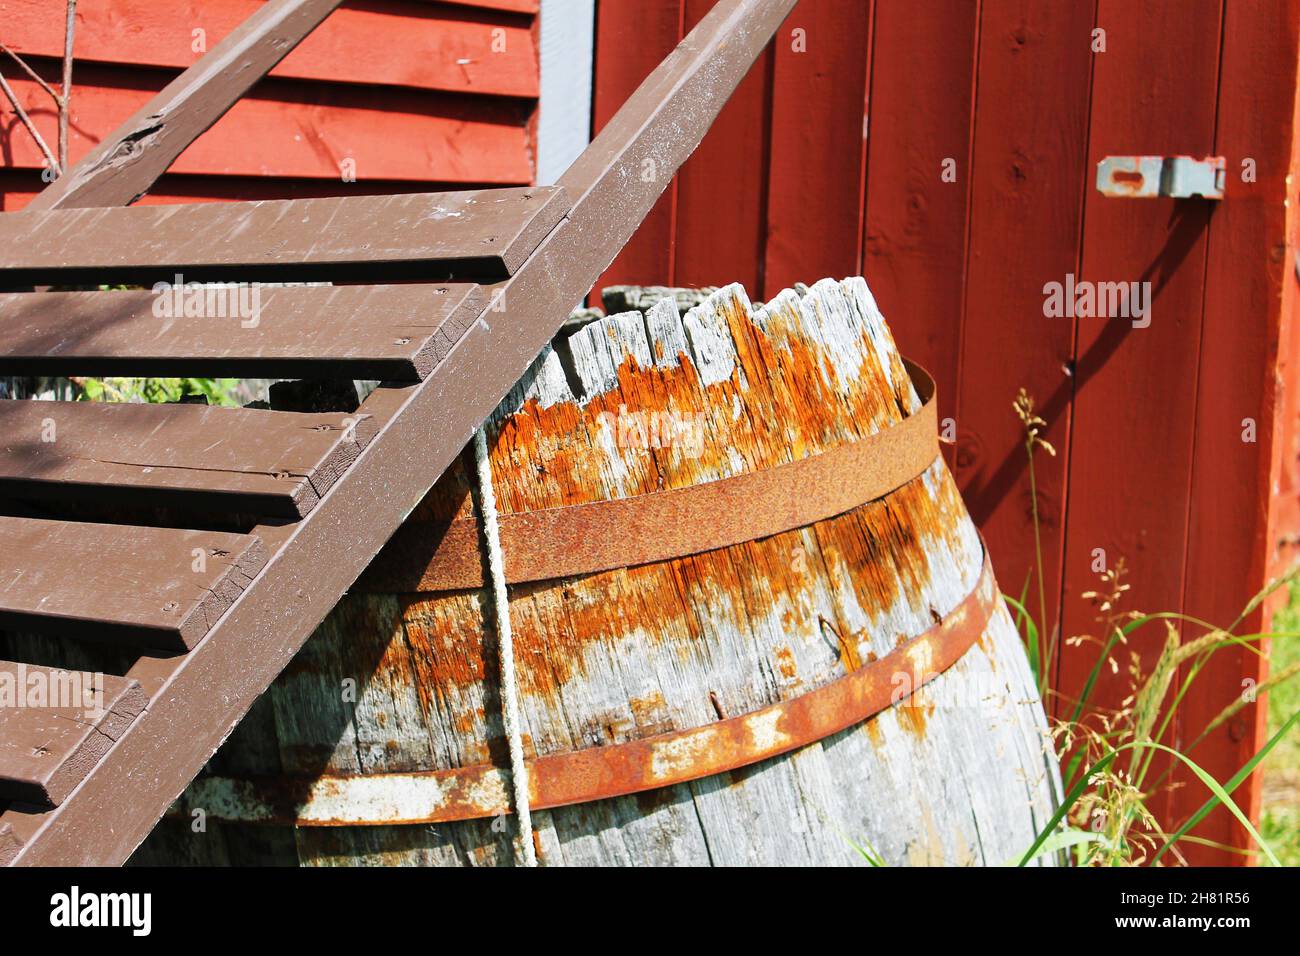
1031	636
1247	769
1071	798
1060	841
1222	795
1078	789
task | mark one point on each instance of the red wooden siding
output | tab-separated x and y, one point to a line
1229	546
1027	193
638	36
729	170
1135	389
378	42
1146	421
413	93
920	115
819	89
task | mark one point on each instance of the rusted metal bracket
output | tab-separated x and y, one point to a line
1144	177
600	773
672	523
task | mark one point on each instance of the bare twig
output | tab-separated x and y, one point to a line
31	127
54	95
65	102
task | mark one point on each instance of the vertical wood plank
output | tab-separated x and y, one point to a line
1029	175
722	189
1249	264
631	40
815	187
1154	92
919	178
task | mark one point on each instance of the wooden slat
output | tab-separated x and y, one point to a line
642	33
384	42
395	333
20	186
300	129
231	459
819	91
411	236
153	587
48	743
10	842
126	163
1228	541
718	188
1136	387
1007	343
196	699
922	113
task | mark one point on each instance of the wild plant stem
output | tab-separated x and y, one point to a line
65	101
1038	552
31	74
27	122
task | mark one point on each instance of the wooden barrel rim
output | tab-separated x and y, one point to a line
625	532
598	773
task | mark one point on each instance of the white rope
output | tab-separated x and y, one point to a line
506	646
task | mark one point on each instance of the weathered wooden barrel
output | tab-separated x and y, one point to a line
744	691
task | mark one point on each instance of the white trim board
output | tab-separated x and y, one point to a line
567	42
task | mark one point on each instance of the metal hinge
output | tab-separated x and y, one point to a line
1137	177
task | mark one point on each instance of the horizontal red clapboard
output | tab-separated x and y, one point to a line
298	129
389	43
19	186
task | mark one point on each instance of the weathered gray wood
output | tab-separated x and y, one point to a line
963	774
625	298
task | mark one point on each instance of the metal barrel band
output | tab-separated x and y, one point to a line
598	536
598	773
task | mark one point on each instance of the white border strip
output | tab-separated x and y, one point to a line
568	29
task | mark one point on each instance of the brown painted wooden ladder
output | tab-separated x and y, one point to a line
100	500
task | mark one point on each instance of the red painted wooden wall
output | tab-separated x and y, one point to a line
829	161
417	95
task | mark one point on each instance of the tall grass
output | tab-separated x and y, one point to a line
1118	761
1039	645
1280	817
